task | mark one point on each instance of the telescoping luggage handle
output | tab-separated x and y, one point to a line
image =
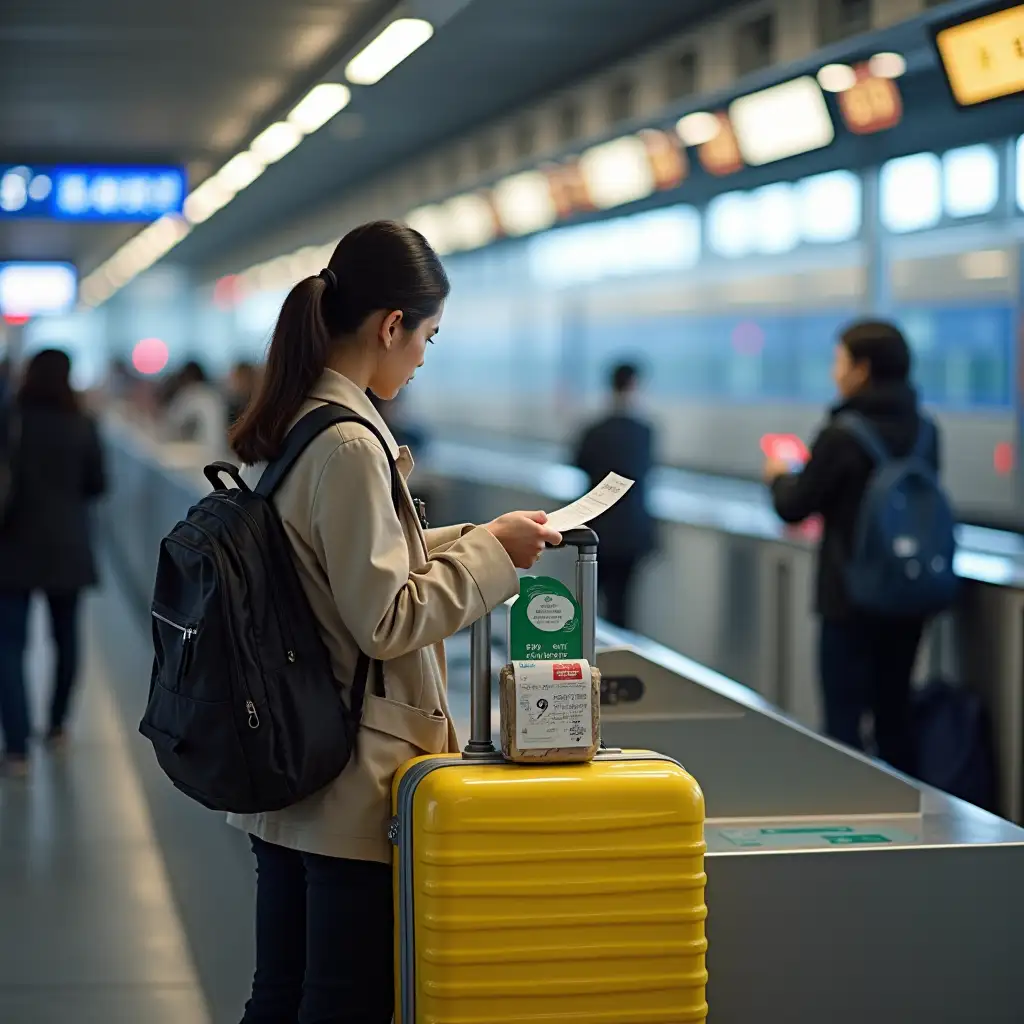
480	742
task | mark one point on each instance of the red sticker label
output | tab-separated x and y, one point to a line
561	672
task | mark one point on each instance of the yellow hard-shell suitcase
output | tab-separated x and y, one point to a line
545	894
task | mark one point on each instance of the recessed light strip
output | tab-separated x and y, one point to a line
393	45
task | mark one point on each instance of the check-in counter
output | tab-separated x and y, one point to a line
838	890
730	587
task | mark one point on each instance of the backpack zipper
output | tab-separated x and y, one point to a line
187	632
254	528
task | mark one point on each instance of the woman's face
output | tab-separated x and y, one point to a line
402	352
849	376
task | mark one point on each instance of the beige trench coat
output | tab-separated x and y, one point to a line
376	582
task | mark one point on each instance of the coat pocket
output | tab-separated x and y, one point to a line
426	731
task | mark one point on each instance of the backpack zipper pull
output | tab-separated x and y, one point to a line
254	719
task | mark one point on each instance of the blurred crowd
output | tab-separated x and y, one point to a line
189	405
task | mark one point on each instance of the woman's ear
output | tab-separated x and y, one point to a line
389	328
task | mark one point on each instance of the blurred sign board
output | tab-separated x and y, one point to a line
91	193
30	289
721	155
871	104
782	121
984	58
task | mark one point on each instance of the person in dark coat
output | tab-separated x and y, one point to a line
865	661
45	542
622	443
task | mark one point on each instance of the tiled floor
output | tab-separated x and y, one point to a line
88	929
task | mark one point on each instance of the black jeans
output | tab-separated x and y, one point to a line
324	940
866	665
615	581
14	714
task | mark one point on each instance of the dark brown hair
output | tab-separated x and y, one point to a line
47	382
382	265
882	346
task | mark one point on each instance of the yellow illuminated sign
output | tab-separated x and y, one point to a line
984	58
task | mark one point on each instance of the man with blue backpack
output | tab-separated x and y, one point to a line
885	565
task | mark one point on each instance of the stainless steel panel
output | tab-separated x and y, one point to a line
750	761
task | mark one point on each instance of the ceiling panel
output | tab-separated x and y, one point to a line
123	81
190	82
493	57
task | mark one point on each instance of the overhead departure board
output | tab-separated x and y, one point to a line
91	193
984	58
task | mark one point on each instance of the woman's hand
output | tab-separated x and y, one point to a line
523	535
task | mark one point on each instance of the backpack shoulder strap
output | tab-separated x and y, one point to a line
860	428
299	438
305	432
924	446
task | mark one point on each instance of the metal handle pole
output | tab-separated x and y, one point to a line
586	594
480	743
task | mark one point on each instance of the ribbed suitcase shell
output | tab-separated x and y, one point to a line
529	894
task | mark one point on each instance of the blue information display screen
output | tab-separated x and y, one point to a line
91	193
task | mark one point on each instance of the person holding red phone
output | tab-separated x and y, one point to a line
865	659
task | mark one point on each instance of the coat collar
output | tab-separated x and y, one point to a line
334	387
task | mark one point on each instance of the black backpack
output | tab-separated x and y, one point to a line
905	536
244	712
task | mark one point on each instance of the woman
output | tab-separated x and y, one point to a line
866	660
45	542
376	583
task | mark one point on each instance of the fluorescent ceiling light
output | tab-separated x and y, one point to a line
206	200
274	142
837	77
524	203
617	172
887	65
432	223
32	289
388	50
911	192
698	128
783	121
470	221
319	105
239	172
830	206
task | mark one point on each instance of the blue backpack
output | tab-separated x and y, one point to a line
904	539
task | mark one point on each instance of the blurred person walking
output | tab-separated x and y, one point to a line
866	659
45	542
196	412
621	442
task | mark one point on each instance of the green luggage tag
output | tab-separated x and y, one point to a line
544	622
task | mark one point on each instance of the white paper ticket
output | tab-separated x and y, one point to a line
591	505
553	704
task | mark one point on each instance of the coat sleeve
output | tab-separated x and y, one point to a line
797	496
94	477
389	607
439	536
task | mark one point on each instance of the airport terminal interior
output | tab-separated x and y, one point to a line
684	240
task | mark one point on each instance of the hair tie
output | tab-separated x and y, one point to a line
328	277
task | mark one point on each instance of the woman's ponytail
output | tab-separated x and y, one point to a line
298	355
